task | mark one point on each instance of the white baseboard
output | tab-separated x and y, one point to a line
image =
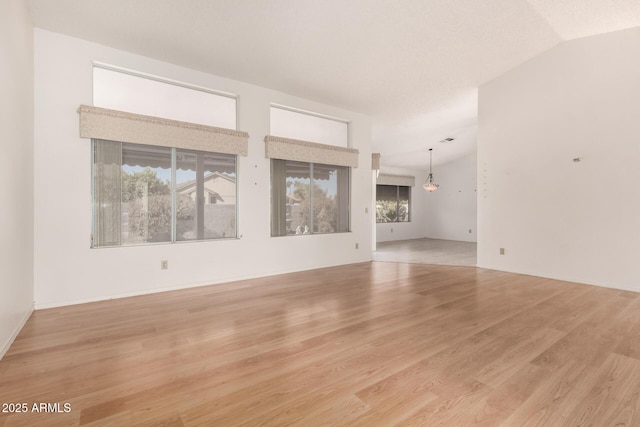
56	304
564	278
15	333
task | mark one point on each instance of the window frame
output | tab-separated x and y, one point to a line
97	65
173	193
320	125
312	179
167	127
397	221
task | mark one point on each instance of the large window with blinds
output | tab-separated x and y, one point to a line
308	198
164	159
393	203
151	194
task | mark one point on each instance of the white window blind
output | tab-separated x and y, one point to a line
308	127
152	96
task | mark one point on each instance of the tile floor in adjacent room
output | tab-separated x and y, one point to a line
427	251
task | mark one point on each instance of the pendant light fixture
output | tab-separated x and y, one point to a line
429	185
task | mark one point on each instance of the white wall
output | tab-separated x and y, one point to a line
16	169
68	271
414	229
555	217
451	210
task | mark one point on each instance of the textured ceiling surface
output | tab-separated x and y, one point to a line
414	66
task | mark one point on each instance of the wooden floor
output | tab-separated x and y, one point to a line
361	345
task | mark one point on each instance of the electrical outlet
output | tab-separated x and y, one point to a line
501	251
357	245
469	231
164	264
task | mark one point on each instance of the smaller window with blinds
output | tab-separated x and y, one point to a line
308	198
393	203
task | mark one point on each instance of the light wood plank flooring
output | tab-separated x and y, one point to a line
427	251
372	344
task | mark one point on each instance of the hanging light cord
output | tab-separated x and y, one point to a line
430	159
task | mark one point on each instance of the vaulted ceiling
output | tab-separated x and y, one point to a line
414	66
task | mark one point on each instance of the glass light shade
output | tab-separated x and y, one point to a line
430	186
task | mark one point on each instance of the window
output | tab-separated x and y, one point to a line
307	126
308	198
124	90
392	203
310	172
164	159
149	194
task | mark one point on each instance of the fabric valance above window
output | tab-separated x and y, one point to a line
113	125
375	161
304	151
404	180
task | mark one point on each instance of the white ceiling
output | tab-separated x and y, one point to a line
412	65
